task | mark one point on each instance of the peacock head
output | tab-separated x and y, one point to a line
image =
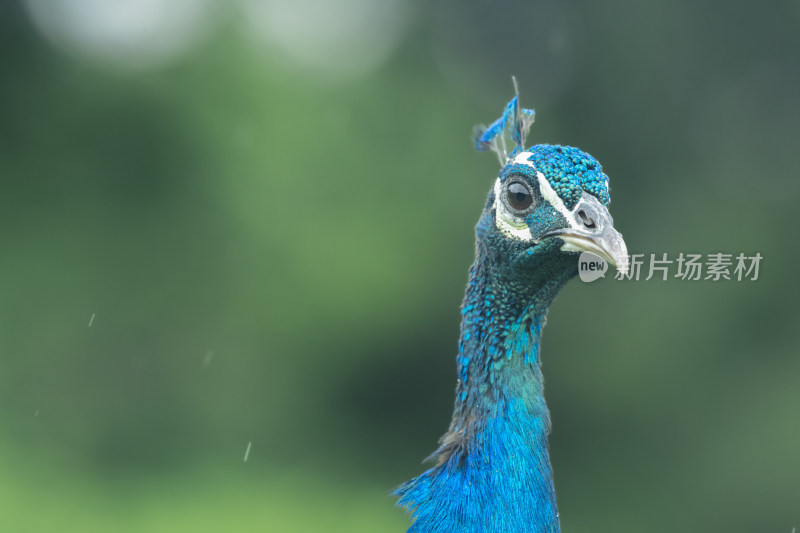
547	206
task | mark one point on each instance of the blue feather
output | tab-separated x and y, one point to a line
513	125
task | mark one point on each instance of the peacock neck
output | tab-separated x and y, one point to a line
493	469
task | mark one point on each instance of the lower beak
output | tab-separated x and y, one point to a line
607	244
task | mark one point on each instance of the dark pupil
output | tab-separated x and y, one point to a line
518	196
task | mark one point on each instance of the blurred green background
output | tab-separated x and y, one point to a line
248	224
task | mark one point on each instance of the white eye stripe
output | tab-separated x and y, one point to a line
549	194
508	224
515	227
522	159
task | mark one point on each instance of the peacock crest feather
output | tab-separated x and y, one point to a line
513	125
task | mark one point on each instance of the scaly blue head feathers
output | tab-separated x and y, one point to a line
492	471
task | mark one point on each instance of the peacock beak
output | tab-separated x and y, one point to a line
608	245
592	230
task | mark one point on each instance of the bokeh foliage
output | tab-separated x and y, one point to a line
277	259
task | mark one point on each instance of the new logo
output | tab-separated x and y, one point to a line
591	267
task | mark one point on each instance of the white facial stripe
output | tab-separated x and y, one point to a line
549	194
516	228
522	159
507	223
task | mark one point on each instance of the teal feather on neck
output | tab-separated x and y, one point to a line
493	468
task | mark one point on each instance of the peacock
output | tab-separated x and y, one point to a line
492	470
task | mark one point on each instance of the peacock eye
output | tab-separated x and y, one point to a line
519	196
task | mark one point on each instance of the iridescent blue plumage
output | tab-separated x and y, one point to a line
492	470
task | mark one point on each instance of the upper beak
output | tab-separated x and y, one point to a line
592	230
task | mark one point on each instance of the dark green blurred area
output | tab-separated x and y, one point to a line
274	258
